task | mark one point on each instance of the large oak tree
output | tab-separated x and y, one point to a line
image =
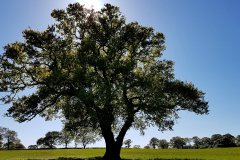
99	72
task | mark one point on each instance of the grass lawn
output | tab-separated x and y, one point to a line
143	154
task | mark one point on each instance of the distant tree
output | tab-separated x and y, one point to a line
197	141
136	146
227	140
153	142
86	136
128	143
41	143
206	141
163	144
147	147
19	146
33	147
65	137
9	146
188	141
216	139
177	142
51	138
237	140
10	137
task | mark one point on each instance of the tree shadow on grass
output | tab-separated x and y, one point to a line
100	158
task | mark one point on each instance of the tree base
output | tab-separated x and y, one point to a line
111	157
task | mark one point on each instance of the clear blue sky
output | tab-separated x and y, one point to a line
202	37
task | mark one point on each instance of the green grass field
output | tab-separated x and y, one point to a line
136	154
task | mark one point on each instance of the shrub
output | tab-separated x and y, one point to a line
19	146
146	147
32	147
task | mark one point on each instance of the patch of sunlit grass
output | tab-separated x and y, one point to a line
126	154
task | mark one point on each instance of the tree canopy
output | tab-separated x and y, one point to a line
98	72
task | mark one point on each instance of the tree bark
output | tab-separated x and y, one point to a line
113	148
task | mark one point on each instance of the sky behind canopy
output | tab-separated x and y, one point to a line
202	37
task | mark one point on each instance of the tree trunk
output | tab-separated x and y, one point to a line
112	149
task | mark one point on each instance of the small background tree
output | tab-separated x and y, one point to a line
136	146
197	141
216	138
10	137
51	138
128	143
147	147
163	144
227	140
33	147
41	143
153	142
65	137
237	140
85	136
19	146
177	142
188	141
206	142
